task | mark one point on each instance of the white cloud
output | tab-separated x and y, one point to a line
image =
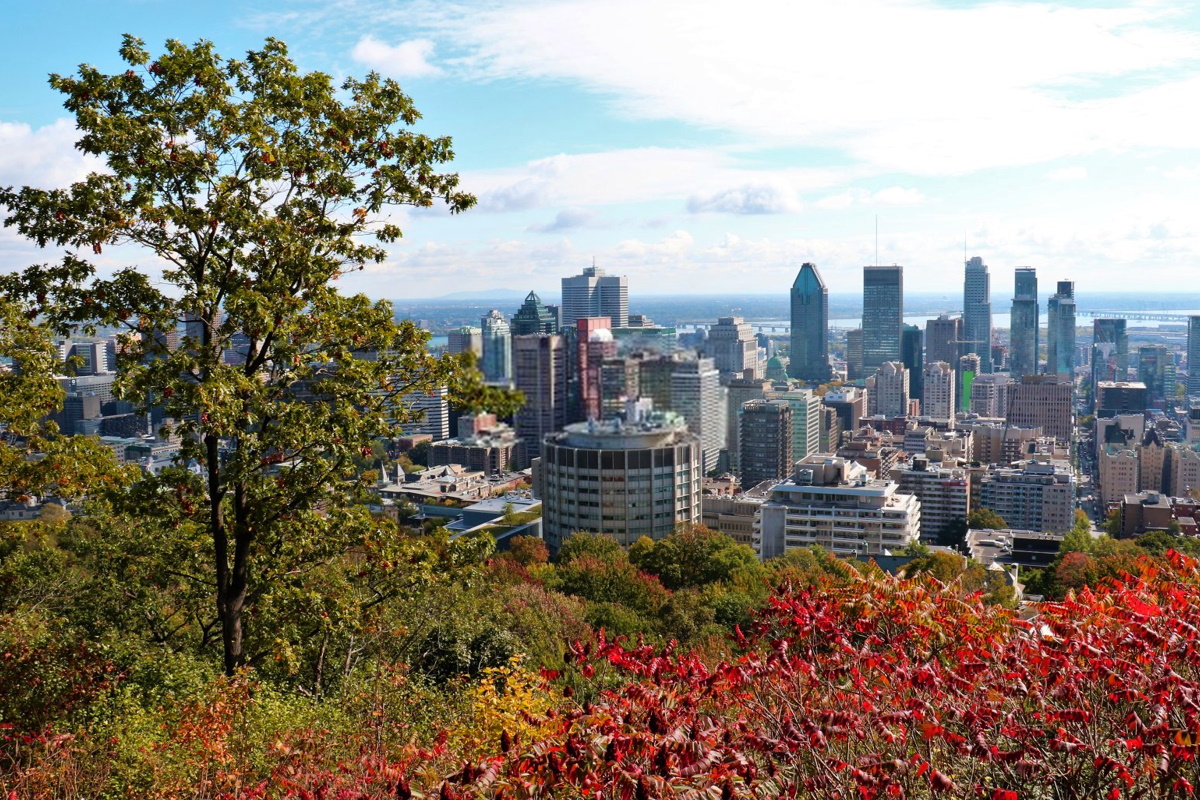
1068	174
44	157
909	85
408	59
753	198
565	220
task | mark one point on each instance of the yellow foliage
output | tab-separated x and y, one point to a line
508	703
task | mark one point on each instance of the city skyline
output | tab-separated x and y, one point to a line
653	152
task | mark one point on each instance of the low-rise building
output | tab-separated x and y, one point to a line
944	494
1032	496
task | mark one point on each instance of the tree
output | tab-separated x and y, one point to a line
692	556
985	519
256	186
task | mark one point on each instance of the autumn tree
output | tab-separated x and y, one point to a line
253	187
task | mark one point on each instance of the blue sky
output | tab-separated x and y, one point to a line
711	147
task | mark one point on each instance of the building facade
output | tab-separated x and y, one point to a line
883	315
539	371
1023	327
733	347
937	400
891	390
1060	330
496	346
977	312
1033	496
810	326
765	452
594	293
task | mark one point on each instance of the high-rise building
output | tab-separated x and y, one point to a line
968	369
740	391
594	293
465	340
539	372
733	347
1156	369
891	389
883	315
623	479
1110	352
1023	327
912	355
430	412
937	401
496	343
850	405
810	326
806	420
941	340
697	395
1060	330
989	395
977	313
593	342
766	442
1193	357
854	355
1042	401
1031	497
533	318
944	493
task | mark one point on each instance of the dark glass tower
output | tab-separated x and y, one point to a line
533	317
912	355
1023	329
810	326
1060	330
977	313
883	315
1110	352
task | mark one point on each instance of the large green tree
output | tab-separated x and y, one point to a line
248	188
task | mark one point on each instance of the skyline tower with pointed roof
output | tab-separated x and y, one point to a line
810	326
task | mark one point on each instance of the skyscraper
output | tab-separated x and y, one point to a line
810	326
1110	351
594	293
891	389
533	317
496	363
465	339
1023	329
539	373
883	315
1193	355
697	395
1060	330
766	439
912	356
977	312
941	340
1156	369
854	354
733	347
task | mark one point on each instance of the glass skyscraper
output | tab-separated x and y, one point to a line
1023	329
977	313
883	315
810	326
1060	330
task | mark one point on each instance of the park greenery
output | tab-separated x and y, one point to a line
249	629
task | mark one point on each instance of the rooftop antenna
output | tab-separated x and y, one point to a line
876	238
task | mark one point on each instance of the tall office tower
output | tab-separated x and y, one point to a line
733	347
595	294
977	312
810	326
968	368
937	401
766	436
623	480
854	355
891	389
740	391
618	385
697	394
539	372
806	420
594	344
533	318
1193	356
883	315
1110	351
941	340
1060	330
1155	364
912	341
465	339
496	338
1023	328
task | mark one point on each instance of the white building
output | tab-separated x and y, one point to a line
937	400
622	479
989	395
891	390
944	492
806	420
734	347
595	294
835	504
431	411
1034	496
697	394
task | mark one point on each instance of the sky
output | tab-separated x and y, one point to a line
711	147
